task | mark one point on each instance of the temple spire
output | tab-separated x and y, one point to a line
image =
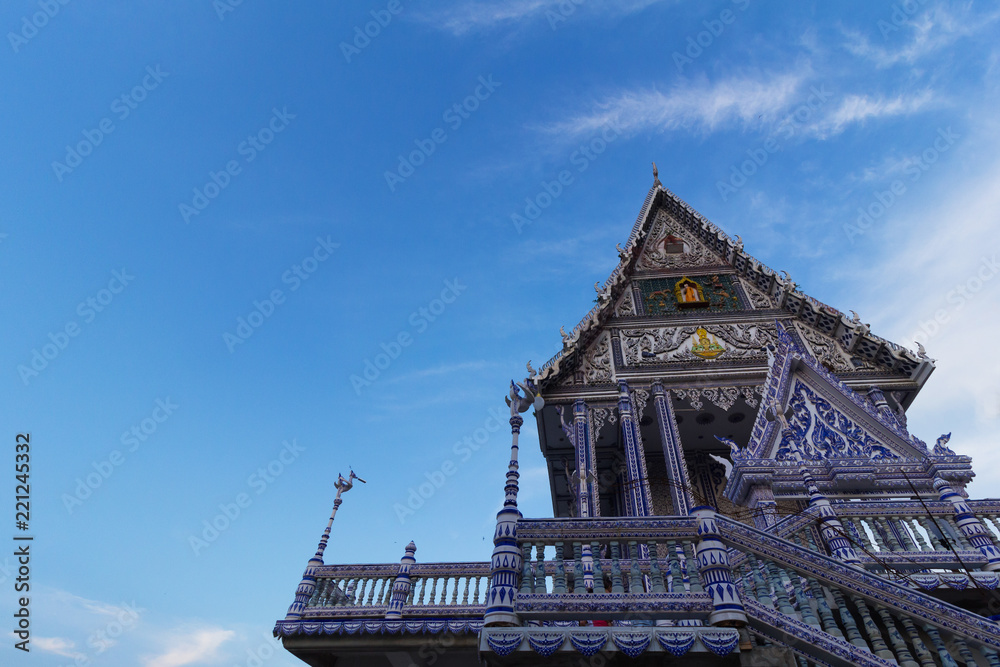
308	583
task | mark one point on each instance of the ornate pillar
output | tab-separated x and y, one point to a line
586	466
637	496
673	452
401	587
505	565
713	565
761	501
970	526
833	532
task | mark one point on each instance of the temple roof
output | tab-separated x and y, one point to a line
708	249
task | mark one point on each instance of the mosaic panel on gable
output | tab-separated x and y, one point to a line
697	294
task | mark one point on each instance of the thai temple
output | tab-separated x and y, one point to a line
733	483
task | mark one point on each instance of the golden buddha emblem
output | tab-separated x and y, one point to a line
705	345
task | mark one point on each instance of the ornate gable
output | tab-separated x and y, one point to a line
669	246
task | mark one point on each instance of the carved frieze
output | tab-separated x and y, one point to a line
596	364
828	351
687	344
626	306
758	299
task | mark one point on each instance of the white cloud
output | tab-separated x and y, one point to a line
191	647
59	646
861	108
478	16
735	102
928	33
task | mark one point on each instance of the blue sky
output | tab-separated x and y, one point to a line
171	168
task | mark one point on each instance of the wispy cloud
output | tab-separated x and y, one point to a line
693	106
191	647
927	33
58	646
478	16
861	108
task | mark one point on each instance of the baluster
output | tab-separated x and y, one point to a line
956	535
674	563
527	572
823	607
616	570
879	544
991	524
595	552
778	586
991	656
878	645
691	568
635	573
921	541
763	590
908	543
925	657
935	535
475	592
963	650
371	591
946	658
465	593
456	581
579	588
888	535
903	655
433	594
345	599
559	580
540	587
655	576
386	592
847	618
361	591
805	609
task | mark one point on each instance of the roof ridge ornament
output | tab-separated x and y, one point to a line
656	177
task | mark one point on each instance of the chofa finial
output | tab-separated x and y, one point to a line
656	176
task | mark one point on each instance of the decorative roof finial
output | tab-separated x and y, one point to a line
656	176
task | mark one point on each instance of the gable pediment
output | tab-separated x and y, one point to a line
669	247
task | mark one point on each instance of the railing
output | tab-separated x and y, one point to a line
901	538
791	592
450	590
641	570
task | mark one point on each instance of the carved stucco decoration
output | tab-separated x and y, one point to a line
654	256
596	364
821	431
625	307
673	344
758	299
723	397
